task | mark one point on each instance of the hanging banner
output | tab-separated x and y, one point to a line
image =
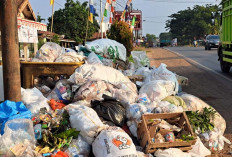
27	34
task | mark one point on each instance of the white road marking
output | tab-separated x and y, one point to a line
202	66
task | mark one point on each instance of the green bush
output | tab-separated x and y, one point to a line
120	31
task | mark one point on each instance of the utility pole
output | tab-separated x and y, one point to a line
10	50
101	18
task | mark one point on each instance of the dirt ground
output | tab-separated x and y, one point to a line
203	84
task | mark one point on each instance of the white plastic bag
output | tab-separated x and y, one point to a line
34	100
97	72
199	150
18	137
166	107
93	59
140	58
171	152
81	146
162	73
135	111
158	90
85	120
48	52
113	142
108	48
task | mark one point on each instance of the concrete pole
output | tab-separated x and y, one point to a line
101	18
10	50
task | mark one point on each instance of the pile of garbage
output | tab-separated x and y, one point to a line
98	110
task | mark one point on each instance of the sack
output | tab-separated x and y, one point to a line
158	90
34	100
140	59
108	48
193	104
95	73
85	120
10	110
162	73
48	52
110	109
113	142
167	107
62	92
70	57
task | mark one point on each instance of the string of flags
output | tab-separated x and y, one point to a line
91	11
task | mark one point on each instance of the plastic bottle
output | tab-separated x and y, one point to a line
38	131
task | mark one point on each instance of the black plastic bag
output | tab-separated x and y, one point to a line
110	109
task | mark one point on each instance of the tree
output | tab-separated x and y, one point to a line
120	31
39	18
193	23
72	21
150	37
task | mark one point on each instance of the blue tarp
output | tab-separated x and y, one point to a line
12	110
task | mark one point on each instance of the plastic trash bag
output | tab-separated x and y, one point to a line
110	109
79	146
112	142
158	90
107	62
70	57
93	59
176	100
95	73
62	92
48	52
135	111
140	59
167	107
162	73
193	104
85	120
10	110
19	139
107	48
34	100
171	152
199	150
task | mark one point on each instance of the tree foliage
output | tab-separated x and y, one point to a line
150	37
39	18
193	23
120	31
72	21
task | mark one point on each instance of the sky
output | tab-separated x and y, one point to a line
154	12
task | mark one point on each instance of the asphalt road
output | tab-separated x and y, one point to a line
207	58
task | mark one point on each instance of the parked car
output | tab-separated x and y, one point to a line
212	41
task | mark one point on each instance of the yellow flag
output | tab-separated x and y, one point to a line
51	2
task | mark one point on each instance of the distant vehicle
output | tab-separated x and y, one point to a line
225	48
212	41
165	39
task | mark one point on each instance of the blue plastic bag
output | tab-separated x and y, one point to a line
12	110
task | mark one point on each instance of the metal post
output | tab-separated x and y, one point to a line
10	50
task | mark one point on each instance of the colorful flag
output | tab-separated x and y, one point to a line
51	2
91	11
133	23
106	9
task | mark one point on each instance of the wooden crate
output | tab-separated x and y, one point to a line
146	132
30	70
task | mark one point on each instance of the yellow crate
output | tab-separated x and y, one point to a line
30	70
